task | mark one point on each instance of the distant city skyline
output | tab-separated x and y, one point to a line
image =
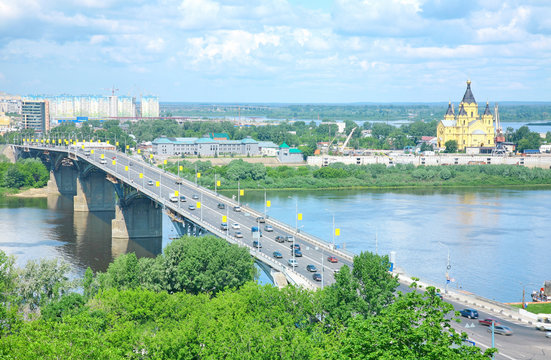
278	51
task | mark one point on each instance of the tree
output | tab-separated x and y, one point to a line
205	264
40	282
415	326
451	146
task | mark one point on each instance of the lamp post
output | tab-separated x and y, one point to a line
448	266
296	229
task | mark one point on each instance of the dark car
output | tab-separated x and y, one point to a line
195	196
316	277
279	239
469	313
277	255
311	268
260	219
332	259
298	253
257	244
182	198
297	246
439	295
221	206
488	322
191	207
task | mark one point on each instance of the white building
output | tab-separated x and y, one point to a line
149	106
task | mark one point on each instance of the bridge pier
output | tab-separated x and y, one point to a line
51	187
142	218
65	179
94	193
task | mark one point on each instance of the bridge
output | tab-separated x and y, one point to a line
103	179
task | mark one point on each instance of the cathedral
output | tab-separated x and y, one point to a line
467	128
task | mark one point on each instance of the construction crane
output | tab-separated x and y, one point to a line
112	90
347	140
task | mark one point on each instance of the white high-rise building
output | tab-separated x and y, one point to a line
150	106
127	106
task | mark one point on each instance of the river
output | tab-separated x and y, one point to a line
498	239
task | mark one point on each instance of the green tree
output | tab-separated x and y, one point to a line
451	146
42	281
205	264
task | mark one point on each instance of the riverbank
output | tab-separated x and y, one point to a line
28	193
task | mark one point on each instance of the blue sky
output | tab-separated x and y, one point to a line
293	51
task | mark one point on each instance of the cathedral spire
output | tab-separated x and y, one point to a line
468	98
450	109
462	111
487	110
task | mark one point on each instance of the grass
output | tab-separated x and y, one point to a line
544	308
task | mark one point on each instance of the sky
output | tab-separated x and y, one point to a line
278	51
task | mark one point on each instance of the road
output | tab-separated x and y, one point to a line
313	253
526	342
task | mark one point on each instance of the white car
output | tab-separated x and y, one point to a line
238	234
235	226
292	262
543	326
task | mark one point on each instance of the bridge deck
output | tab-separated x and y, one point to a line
315	251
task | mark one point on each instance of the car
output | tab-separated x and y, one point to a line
257	244
439	295
296	246
238	234
237	208
268	228
191	207
488	322
277	255
316	277
543	326
224	226
103	161
469	313
173	198
548	334
311	268
195	196
292	262
298	253
179	181
130	163
260	219
182	198
235	226
114	158
290	238
221	206
279	239
332	259
150	183
501	329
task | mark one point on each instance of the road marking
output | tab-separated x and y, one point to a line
499	353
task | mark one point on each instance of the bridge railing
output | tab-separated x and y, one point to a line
305	236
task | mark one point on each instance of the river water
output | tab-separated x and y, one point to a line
498	239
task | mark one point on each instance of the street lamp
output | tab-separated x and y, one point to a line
296	229
448	266
265	200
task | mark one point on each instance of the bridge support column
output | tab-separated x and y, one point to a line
51	187
94	193
65	179
142	218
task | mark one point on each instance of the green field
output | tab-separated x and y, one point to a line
544	308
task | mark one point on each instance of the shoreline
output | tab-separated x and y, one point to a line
31	193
